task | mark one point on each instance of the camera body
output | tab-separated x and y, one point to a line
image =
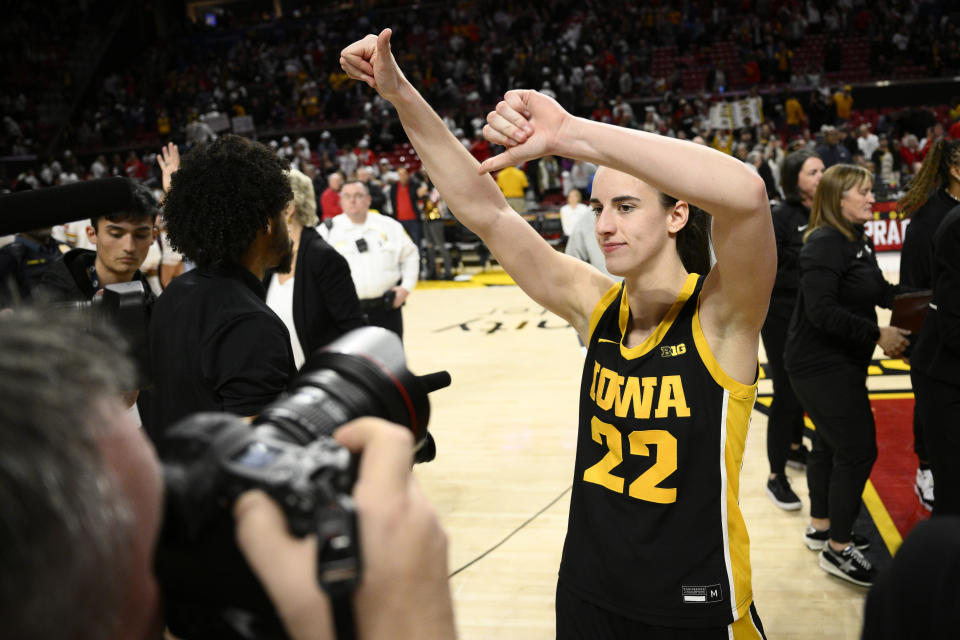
126	306
209	459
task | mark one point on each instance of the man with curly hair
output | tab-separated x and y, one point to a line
214	343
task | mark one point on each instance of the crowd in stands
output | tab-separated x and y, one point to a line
283	72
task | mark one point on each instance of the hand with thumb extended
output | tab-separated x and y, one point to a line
371	60
529	124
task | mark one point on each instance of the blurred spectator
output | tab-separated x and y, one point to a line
831	151
330	198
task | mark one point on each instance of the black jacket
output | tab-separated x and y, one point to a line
325	304
22	265
917	252
937	352
68	280
412	186
789	224
834	323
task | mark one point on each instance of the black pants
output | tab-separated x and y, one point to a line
391	319
844	444
939	404
437	243
578	619
785	424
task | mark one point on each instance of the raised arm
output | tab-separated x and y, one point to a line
561	284
169	161
737	291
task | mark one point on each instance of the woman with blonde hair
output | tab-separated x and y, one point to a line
933	192
316	299
831	339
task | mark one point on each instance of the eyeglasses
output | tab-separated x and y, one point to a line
353	196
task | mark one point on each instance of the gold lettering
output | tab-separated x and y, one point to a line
631	394
593	383
671	395
607	393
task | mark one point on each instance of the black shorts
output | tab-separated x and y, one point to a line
578	619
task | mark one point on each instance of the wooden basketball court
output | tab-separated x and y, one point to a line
506	433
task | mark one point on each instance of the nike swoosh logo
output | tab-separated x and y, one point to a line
860	254
605	340
801	227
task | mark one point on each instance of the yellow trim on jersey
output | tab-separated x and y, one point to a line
600	307
720	376
654	338
745	629
737	414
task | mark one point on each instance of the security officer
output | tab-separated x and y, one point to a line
384	261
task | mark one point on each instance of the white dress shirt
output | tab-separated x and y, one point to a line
379	252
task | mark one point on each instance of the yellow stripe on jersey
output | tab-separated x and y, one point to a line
654	338
736	414
720	376
601	306
738	405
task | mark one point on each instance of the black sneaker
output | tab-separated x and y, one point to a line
849	565
797	458
817	540
778	488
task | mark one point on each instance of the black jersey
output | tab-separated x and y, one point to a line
655	531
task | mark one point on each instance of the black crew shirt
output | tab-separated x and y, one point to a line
789	224
835	321
215	346
916	257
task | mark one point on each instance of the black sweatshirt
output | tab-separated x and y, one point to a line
917	254
834	323
789	223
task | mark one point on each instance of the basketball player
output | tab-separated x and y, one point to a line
656	545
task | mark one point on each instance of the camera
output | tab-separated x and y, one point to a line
209	459
126	306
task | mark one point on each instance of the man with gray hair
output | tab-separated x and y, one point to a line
79	484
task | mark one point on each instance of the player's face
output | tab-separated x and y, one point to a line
633	229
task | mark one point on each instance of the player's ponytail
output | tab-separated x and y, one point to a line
933	174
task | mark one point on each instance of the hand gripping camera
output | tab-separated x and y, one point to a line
209	459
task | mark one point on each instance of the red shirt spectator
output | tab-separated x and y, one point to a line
330	198
404	208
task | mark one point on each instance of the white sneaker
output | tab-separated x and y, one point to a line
923	487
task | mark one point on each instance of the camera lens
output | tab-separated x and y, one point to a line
363	373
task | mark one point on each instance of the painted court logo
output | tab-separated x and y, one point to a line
698	595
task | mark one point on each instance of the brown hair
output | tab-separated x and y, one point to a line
933	174
825	211
693	240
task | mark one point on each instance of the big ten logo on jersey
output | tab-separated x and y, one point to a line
673	350
662	397
504	319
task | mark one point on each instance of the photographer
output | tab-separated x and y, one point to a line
404	592
79	484
214	343
122	240
81	493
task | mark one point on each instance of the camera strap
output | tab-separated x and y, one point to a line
338	560
343	621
